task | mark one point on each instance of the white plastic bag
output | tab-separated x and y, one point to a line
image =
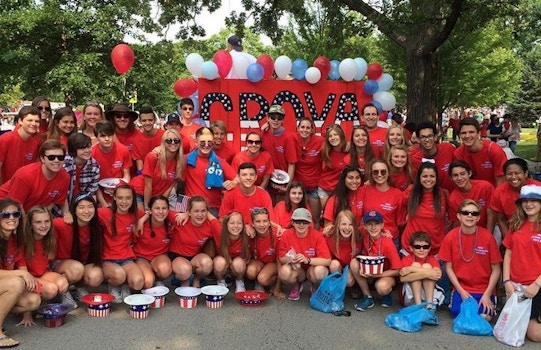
513	321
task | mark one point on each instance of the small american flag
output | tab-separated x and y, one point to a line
100	310
214	301
181	206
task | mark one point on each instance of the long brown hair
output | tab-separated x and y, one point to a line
27	241
225	242
327	148
519	218
133	207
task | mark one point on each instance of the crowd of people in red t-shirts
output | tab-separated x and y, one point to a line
132	205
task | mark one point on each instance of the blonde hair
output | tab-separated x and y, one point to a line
179	156
519	217
388	145
355	236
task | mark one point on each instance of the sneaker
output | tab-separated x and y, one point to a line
295	293
259	287
81	292
159	284
115	291
125	291
386	300
222	283
239	286
366	303
67	299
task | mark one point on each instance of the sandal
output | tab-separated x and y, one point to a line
7	343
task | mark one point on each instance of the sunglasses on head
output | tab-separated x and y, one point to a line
260	211
187	108
469	212
421	246
176	141
253	142
8	214
48	109
52	157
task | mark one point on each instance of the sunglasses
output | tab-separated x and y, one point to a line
206	143
276	117
421	246
8	214
52	157
377	172
122	116
187	108
301	222
170	141
468	212
48	109
253	142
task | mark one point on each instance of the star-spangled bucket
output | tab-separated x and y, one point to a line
99	310
187	302
214	301
139	311
371	265
139	305
53	322
187	297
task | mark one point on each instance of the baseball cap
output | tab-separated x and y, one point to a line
172	117
529	192
236	42
372	216
277	109
301	214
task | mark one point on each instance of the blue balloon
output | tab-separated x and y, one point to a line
209	70
371	87
378	106
298	69
255	72
334	73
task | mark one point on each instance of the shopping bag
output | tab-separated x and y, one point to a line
411	318
469	321
513	321
329	297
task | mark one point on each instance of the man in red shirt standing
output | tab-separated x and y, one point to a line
20	146
376	133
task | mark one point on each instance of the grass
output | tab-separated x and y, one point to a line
527	147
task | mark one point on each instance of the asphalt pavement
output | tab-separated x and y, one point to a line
277	324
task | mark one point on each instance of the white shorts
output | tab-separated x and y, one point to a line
407	295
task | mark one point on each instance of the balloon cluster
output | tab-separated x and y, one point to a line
240	65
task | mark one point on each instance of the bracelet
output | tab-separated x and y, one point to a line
537	284
505	281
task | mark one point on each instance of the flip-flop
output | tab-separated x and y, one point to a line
8	342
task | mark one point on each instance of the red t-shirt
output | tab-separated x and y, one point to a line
481	192
408	260
355	205
114	162
144	144
29	187
425	219
64	240
474	275
263	250
148	247
129	140
195	181
225	152
16	152
313	245
504	197
377	139
188	240
235	200
329	175
487	163
12	253
388	203
119	247
343	255
152	169
281	147
308	167
400	180
234	248
443	158
525	245
263	164
189	130
39	264
382	246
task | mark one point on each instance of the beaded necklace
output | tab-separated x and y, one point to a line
460	245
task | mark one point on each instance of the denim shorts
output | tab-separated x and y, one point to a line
321	193
120	262
173	256
313	192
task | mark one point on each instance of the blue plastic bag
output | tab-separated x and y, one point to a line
329	297
469	321
411	318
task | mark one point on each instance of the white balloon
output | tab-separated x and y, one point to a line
194	61
362	66
347	69
282	66
385	82
312	75
387	100
240	64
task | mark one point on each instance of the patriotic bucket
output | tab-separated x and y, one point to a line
251	297
55	314
187	296
279	178
214	296
159	293
98	304
371	265
139	305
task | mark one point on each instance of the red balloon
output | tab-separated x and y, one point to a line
122	57
224	61
268	65
185	87
374	71
324	65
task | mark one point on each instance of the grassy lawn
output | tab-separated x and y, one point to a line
527	146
